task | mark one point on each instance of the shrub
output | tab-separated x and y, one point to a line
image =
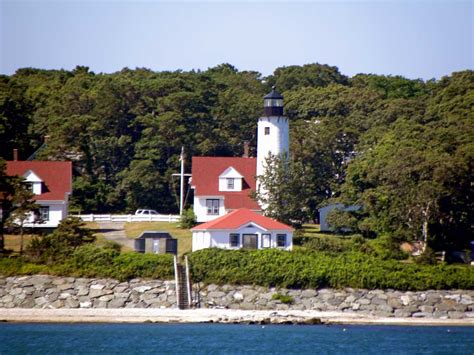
18	266
188	219
428	257
385	247
60	244
92	261
329	244
276	268
342	221
286	299
110	244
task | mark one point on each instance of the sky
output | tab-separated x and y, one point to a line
416	39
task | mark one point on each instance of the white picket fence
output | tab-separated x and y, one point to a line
127	218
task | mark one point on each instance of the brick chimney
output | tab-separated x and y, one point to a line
15	154
246	150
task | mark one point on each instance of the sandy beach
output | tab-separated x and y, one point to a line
170	315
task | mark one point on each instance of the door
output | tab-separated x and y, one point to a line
156	246
249	241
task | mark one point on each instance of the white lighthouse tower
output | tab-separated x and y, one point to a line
272	130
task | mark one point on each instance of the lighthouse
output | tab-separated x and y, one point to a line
272	130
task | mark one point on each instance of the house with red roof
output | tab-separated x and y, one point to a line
242	228
224	184
51	183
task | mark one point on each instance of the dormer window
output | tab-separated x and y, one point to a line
267	131
230	180
33	182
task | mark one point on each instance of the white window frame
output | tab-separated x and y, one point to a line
266	240
44	212
230	183
212	206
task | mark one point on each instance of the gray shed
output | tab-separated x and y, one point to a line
156	242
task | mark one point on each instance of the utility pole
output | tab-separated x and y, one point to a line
181	190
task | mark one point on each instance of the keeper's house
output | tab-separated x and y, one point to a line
242	228
51	183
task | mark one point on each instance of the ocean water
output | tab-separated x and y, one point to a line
229	339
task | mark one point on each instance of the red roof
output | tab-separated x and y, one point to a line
238	218
56	176
206	172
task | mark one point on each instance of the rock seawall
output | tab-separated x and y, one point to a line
44	291
381	303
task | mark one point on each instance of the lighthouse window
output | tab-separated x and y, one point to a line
267	131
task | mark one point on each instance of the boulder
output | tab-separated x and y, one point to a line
40	301
238	296
455	315
141	289
117	303
72	303
106	298
216	294
95	293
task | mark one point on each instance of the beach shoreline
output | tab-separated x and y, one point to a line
222	316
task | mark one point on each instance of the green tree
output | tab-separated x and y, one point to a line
405	180
24	208
70	234
7	190
283	190
309	75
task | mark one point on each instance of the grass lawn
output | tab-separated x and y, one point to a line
312	230
184	236
12	241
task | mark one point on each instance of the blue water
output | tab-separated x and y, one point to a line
219	338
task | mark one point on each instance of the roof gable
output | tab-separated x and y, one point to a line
56	176
30	176
230	172
240	219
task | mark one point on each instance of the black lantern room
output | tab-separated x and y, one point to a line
273	104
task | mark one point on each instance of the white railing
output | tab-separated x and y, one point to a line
127	218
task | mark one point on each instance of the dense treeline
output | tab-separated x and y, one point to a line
402	148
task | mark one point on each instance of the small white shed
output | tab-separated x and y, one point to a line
245	229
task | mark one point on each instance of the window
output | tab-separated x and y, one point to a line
281	240
230	183
44	213
267	131
234	239
29	186
212	207
266	238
